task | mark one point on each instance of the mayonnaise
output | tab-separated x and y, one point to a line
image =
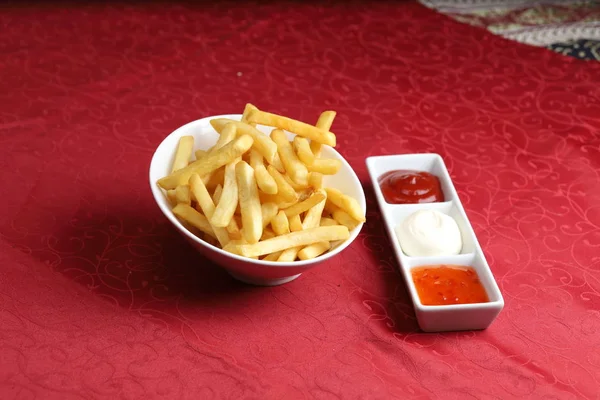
429	233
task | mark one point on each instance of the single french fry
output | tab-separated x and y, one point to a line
292	164
268	210
183	153
346	203
293	126
226	135
325	166
194	218
307	204
249	203
312	219
171	196
283	187
278	164
343	218
265	181
276	199
208	164
328	221
295	223
208	207
200	153
293	184
272	256
314	250
249	107
330	208
303	150
262	142
315	180
280	224
289	255
293	239
217	194
229	199
324	122
235	233
267	234
182	194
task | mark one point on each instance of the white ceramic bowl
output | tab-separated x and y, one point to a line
244	269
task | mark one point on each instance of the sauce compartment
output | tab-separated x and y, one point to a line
397	215
446	317
431	163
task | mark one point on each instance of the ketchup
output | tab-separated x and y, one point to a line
448	284
409	187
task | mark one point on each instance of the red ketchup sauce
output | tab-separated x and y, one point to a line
409	187
448	284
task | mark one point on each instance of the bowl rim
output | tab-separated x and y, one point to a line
158	191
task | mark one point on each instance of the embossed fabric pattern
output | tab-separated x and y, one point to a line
100	298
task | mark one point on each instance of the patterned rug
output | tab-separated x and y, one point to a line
568	27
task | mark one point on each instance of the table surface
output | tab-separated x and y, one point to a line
100	298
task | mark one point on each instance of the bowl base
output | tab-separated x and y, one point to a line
252	280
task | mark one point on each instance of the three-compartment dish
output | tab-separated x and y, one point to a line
443	265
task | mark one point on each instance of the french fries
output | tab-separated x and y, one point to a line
290	125
249	203
292	164
183	153
294	239
208	164
262	196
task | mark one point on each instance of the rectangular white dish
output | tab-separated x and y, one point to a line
453	317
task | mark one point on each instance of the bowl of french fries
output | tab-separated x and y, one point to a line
264	196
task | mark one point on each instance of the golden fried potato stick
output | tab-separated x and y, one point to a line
343	218
325	166
217	194
295	223
312	219
292	164
280	224
228	202
324	122
278	164
272	256
293	184
208	164
249	107
314	250
307	204
328	221
268	210
303	150
172	197
200	153
262	142
194	218
265	181
284	189
293	126
249	203
182	195
293	239
289	255
315	180
183	153
208	207
346	203
226	135
267	234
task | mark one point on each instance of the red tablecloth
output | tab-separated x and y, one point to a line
100	298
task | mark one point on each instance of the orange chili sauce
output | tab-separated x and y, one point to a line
448	284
